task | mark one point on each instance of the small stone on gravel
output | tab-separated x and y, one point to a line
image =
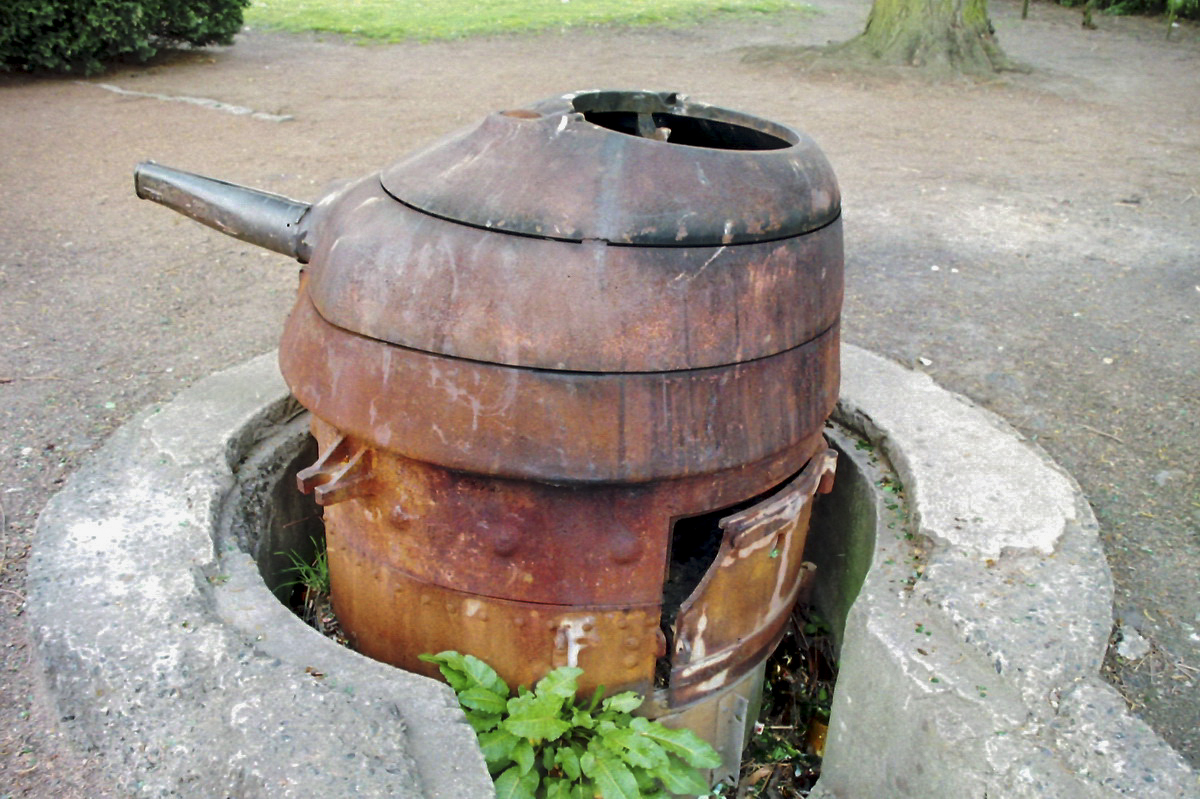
1132	645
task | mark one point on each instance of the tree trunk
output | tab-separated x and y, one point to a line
953	34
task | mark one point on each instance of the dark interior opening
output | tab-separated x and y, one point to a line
686	130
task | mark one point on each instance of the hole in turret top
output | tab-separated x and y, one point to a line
664	117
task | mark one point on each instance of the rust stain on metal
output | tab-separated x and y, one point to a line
557	425
342	472
533	347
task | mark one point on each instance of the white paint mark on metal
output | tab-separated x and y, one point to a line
744	552
699	649
703	266
572	636
713	682
694	666
387	366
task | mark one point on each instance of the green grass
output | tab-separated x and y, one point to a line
395	20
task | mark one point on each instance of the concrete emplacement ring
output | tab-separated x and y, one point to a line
971	633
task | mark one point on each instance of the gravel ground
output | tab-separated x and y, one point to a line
1030	241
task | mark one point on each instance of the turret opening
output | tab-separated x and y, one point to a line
667	118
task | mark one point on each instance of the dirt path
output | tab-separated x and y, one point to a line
1033	239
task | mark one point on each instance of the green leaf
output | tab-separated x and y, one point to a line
579	748
538	718
465	672
582	719
497	747
606	726
450	664
568	760
514	785
565	789
482	722
595	700
612	776
636	748
625	758
680	778
478	697
523	756
646	782
694	750
557	788
484	675
623	703
563	682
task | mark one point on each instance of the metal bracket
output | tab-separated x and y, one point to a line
342	472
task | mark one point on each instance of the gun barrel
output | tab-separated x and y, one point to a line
269	220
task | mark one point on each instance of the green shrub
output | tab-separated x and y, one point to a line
541	744
1185	9
84	35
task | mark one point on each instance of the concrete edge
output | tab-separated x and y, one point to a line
971	657
141	631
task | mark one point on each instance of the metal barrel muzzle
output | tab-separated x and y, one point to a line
269	220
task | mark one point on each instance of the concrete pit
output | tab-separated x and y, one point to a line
971	621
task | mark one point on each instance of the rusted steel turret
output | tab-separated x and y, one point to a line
563	364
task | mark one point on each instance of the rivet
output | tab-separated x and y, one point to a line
425	599
630	661
588	626
625	547
505	541
622	622
518	622
631	642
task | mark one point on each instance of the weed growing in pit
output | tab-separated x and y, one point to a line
542	744
312	584
313	574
